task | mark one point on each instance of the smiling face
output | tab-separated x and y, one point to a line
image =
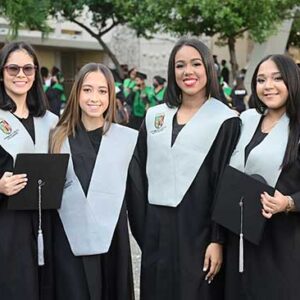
270	87
190	73
17	86
93	99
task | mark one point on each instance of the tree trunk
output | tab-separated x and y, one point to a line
106	49
232	53
111	56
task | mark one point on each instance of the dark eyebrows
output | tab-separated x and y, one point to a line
192	60
91	86
274	73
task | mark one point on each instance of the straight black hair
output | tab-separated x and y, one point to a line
173	92
36	99
290	74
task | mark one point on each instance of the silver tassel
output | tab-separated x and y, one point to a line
40	241
40	238
241	254
241	248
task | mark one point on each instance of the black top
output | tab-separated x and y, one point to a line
257	138
176	129
95	137
29	125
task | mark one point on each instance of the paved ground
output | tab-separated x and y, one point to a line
136	260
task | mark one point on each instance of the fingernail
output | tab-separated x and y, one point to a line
204	269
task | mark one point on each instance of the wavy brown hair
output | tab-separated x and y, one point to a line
71	117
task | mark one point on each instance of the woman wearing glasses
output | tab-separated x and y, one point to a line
25	124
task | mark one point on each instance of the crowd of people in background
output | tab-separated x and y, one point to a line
54	89
135	96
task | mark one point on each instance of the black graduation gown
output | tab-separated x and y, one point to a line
20	275
173	240
272	269
96	277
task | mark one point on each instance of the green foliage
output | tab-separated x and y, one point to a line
228	18
105	14
31	14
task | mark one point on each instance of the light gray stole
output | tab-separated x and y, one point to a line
172	169
14	137
266	158
89	221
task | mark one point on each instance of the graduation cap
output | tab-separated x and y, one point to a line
238	206
46	175
159	79
141	75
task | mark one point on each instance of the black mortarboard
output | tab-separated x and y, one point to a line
159	79
51	170
46	175
141	75
236	186
238	207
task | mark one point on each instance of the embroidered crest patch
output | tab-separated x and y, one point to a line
159	120
5	127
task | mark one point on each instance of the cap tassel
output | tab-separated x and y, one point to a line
40	238
40	241
241	254
241	247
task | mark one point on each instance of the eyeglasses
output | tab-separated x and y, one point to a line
14	70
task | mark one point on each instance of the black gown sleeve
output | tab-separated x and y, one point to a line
223	147
137	187
296	198
288	182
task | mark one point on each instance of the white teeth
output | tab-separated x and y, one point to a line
94	106
20	83
189	81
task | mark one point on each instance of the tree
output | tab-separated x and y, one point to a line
97	17
30	14
103	16
294	38
229	19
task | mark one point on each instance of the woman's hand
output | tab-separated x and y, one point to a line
12	184
273	205
213	260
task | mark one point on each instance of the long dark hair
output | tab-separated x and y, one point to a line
290	73
36	99
173	92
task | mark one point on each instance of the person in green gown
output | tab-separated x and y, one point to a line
129	83
140	99
159	88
